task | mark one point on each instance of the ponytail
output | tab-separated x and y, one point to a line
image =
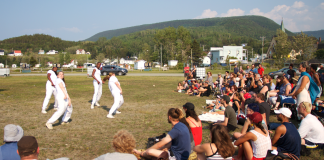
108	76
259	125
175	114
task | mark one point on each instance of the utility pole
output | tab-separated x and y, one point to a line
262	48
161	56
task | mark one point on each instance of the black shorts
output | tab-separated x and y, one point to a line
312	145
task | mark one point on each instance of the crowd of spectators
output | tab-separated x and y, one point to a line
247	98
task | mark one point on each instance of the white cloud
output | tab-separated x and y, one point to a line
233	12
322	5
298	5
207	14
73	29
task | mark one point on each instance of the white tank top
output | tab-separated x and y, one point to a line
59	92
53	76
97	74
261	145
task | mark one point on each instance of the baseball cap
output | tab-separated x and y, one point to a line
284	111
12	133
247	96
287	76
256	117
27	145
226	98
189	106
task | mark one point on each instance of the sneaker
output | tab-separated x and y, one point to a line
63	123
49	126
117	112
97	104
110	116
44	112
92	106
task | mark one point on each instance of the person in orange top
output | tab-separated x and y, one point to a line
260	70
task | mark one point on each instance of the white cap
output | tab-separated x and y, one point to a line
284	111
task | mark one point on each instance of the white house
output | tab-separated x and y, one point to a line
127	60
206	60
11	54
41	52
172	63
87	53
49	64
140	64
51	52
80	51
219	54
1	52
13	66
17	53
1	65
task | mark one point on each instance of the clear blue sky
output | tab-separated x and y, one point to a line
78	20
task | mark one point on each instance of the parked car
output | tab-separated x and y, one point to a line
281	71
112	68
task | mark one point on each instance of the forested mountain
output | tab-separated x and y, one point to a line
36	42
249	26
316	34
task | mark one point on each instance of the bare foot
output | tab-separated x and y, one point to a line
198	95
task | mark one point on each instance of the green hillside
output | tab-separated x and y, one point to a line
316	34
250	26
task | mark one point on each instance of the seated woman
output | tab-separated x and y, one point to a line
283	93
123	144
259	138
194	122
279	82
192	90
237	99
266	84
216	107
221	146
180	87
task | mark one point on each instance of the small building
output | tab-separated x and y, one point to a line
127	60
88	53
41	52
52	52
220	54
11	54
49	64
13	66
17	53
1	52
140	64
172	63
1	65
206	60
80	51
37	65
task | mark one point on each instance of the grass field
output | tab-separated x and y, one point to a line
90	133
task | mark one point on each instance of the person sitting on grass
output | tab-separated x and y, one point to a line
192	89
28	148
286	137
259	138
180	87
204	90
123	144
194	122
12	134
221	146
216	106
177	140
311	129
237	99
230	120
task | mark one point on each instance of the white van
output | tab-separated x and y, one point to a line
4	72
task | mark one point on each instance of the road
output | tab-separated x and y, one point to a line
129	74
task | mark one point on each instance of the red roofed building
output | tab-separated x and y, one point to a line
17	53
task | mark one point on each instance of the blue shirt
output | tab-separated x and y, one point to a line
255	71
180	144
291	141
8	151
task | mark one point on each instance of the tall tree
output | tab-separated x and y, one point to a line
196	52
282	48
305	45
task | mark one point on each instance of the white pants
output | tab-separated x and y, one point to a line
62	108
118	101
97	92
49	91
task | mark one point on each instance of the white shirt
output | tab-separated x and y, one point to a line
53	76
112	86
59	92
311	129
97	75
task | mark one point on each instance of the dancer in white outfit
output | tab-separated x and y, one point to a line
117	93
64	103
97	84
50	89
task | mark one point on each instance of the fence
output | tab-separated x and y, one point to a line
44	70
